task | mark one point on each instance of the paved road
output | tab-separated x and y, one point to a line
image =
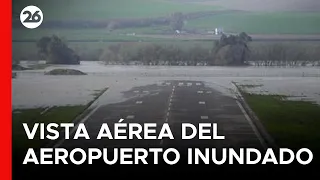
172	102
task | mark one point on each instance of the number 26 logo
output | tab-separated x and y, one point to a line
31	17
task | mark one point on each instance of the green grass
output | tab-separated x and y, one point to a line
63	114
77	34
158	29
107	9
252	23
56	114
292	124
261	23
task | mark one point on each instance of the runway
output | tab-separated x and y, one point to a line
159	102
173	102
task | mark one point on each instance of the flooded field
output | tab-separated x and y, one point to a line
34	89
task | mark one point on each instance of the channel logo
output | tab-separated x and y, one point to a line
31	17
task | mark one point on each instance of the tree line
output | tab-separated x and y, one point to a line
230	50
285	54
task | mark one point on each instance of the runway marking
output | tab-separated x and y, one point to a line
255	130
145	91
168	111
46	110
209	92
202	102
120	121
168	83
204	117
189	84
180	84
136	91
198	84
139	102
200	92
130	117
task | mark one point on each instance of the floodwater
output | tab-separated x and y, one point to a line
34	89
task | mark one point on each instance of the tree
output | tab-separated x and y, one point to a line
56	51
42	45
177	21
232	49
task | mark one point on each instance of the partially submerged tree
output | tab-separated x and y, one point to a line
112	54
56	51
232	49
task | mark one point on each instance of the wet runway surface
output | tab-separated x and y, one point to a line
183	95
172	103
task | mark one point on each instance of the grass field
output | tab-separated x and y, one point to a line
252	23
261	23
55	114
78	34
292	124
21	143
92	40
107	9
30	116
